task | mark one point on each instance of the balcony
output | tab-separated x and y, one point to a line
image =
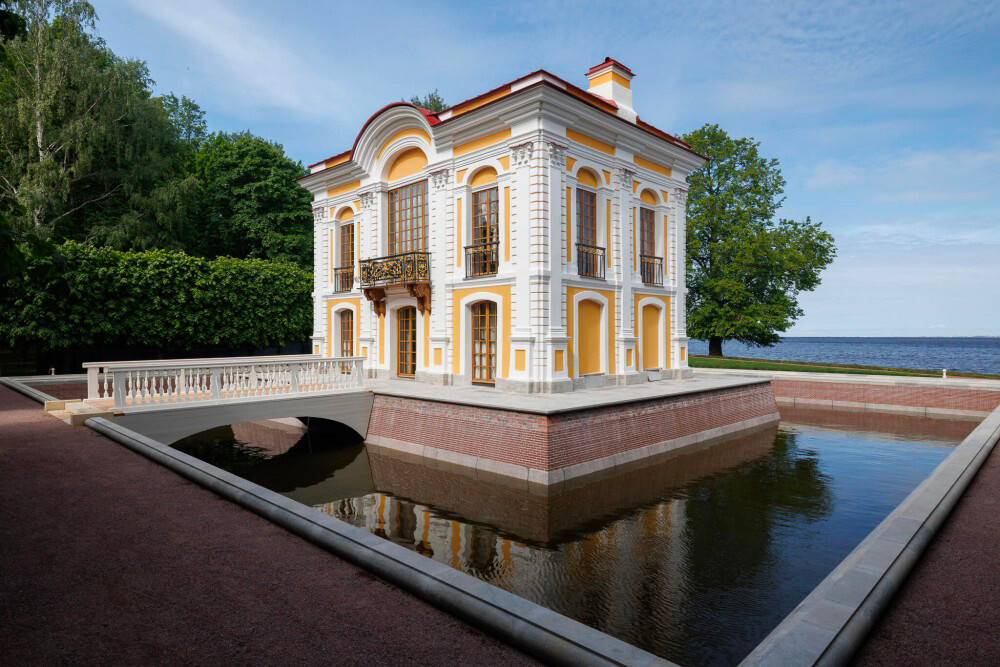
481	259
343	278
412	269
651	269
590	260
399	269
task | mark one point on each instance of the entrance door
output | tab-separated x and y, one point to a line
406	342
484	342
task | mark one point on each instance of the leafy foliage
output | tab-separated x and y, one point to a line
251	205
745	269
157	298
432	101
92	155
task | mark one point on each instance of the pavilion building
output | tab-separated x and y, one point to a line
530	238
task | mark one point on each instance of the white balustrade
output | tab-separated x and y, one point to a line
146	385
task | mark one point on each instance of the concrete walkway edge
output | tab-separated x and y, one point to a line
30	392
537	630
832	622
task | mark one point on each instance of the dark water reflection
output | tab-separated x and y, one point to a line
695	557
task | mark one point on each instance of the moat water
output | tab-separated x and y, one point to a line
694	558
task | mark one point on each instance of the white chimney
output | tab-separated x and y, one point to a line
613	81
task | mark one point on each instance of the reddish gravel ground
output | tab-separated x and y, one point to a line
948	610
64	391
106	557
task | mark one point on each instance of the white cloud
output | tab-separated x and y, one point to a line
242	57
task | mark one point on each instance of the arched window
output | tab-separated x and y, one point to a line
346	333
484	342
406	342
344	273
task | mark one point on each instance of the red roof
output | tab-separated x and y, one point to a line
596	101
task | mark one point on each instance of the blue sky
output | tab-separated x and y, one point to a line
885	116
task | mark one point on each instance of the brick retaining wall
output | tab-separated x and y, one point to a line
941	398
553	442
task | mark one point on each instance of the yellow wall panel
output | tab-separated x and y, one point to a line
341	189
484	176
650	336
482	142
596	144
652	166
408	163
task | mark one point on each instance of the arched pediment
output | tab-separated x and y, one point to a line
397	127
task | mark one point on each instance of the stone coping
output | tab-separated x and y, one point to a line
851	378
831	623
549	404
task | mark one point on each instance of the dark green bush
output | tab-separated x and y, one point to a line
158	298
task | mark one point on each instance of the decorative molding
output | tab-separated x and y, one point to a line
521	154
681	195
377	296
422	291
626	177
440	178
557	153
367	201
318	212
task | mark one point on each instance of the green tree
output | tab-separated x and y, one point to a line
84	142
745	268
251	205
187	118
432	101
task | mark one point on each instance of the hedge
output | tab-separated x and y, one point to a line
157	298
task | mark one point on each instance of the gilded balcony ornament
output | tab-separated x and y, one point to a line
399	269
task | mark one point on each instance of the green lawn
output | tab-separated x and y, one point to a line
744	363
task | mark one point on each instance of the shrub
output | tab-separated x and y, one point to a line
155	298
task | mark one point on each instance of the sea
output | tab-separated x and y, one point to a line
971	355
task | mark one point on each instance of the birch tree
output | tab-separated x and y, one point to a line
79	132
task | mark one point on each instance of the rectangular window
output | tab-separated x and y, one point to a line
408	218
347	244
647	232
485	216
586	217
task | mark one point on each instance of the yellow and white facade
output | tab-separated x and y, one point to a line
531	238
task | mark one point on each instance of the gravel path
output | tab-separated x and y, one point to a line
105	557
948	609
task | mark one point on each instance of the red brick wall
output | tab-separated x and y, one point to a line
577	437
548	443
499	435
923	397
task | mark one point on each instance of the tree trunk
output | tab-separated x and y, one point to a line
715	346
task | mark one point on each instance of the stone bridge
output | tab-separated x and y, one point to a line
171	399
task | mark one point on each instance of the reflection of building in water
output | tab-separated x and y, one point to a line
597	547
578	508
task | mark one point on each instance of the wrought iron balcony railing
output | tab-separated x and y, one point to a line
343	278
590	260
651	269
481	259
399	269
